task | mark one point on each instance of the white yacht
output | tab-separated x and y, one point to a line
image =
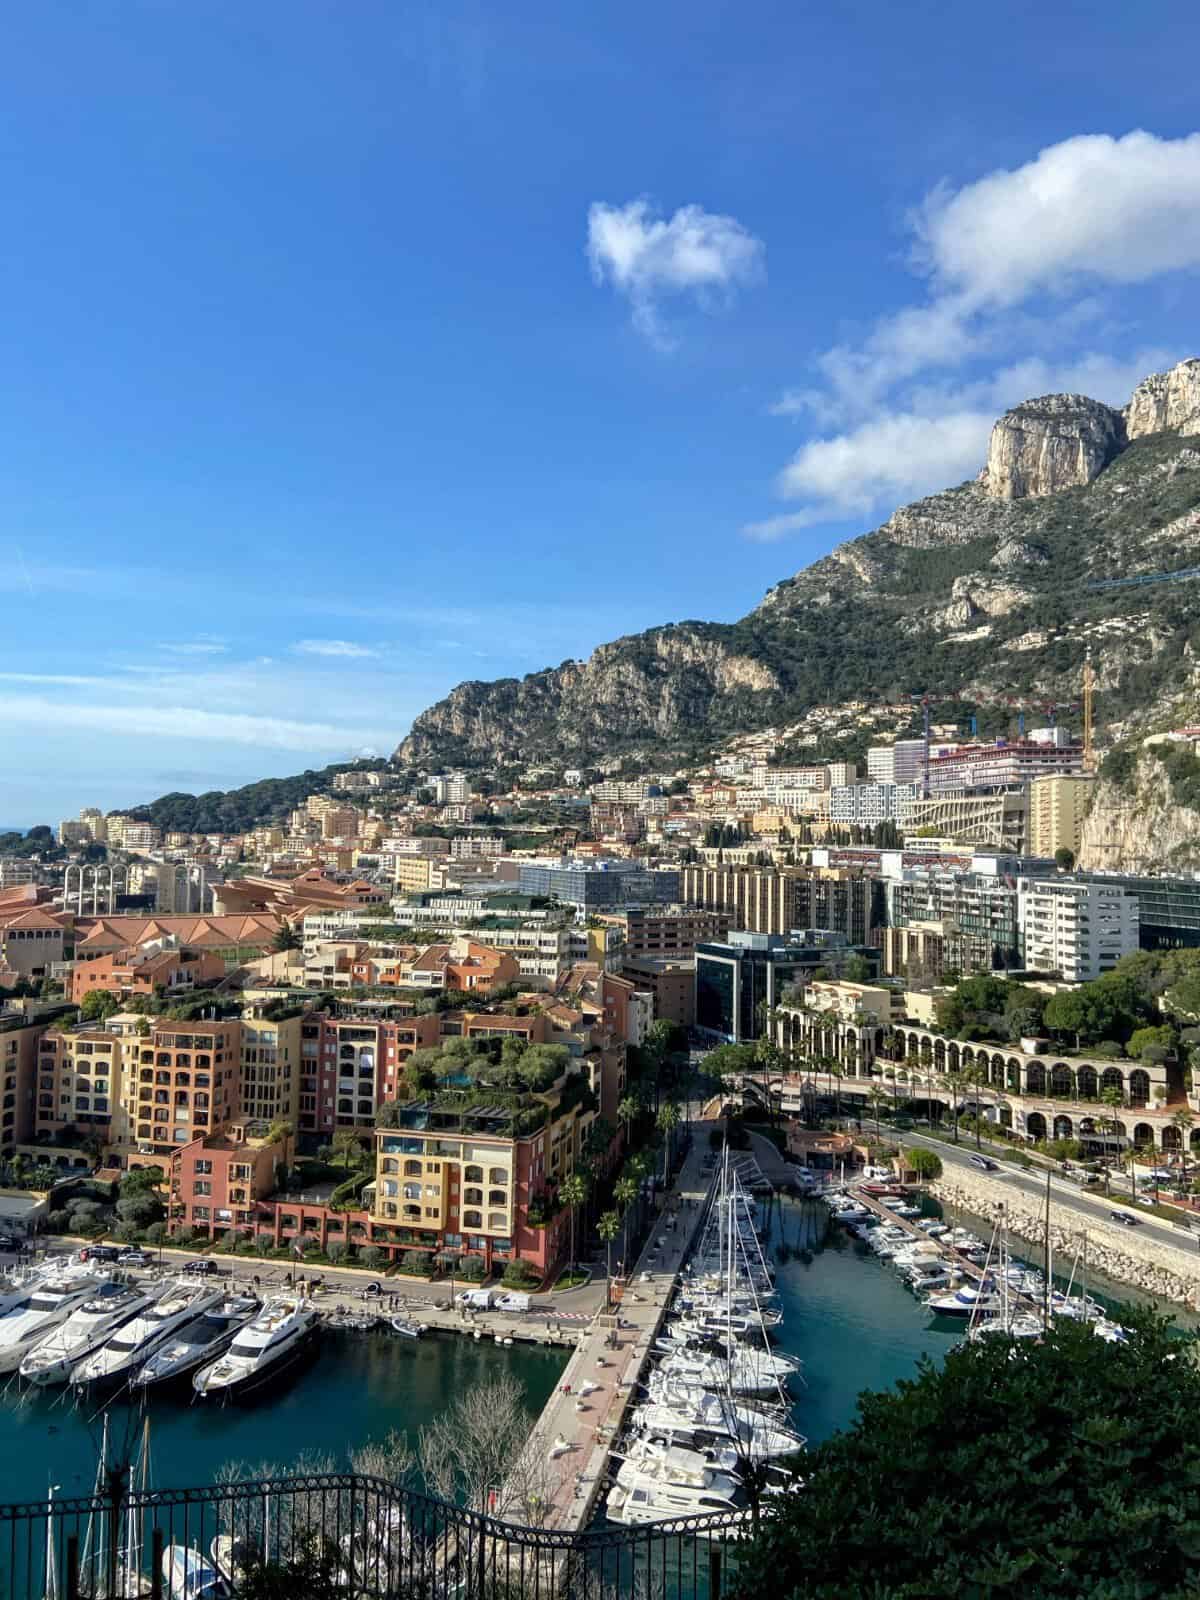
197	1342
51	1300
648	1499
84	1331
120	1356
262	1351
747	1371
675	1462
966	1301
754	1434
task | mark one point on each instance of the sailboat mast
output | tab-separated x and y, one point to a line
1049	1265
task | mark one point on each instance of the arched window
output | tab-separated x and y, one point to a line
1139	1086
412	1169
472	1219
497	1197
473	1174
473	1197
497	1221
497	1174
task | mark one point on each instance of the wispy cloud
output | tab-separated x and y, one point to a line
183	722
205	645
649	258
344	648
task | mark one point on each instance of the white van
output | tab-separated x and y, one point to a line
478	1299
518	1303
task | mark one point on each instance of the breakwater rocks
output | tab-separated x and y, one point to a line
1140	1259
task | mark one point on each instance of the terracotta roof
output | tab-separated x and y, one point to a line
203	933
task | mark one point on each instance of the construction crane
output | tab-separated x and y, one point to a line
1089	686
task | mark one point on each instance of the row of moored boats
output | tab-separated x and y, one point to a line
715	1416
1002	1296
68	1322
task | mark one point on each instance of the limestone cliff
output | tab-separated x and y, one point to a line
1139	825
1058	442
1166	400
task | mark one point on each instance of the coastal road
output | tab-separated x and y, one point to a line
1092	1210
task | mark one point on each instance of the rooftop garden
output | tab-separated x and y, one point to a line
504	1086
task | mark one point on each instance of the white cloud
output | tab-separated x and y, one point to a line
1117	210
891	457
649	258
772	528
181	722
333	647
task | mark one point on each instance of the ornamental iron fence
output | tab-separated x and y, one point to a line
341	1534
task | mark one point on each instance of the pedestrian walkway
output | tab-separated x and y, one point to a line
567	1457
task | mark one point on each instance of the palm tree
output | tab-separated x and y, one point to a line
608	1227
286	938
976	1076
625	1192
1114	1100
1183	1120
627	1110
668	1121
876	1097
573	1191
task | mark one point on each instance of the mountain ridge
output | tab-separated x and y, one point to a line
978	592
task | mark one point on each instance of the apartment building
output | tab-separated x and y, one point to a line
147	972
351	1064
758	899
670	982
976	915
673	931
864	805
218	1180
1057	807
80	1072
902	762
19	1039
590	885
1076	929
739	983
181	1081
270	1066
842	899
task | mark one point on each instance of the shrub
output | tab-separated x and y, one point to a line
420	1261
127	1232
58	1221
335	1250
372	1256
520	1275
471	1269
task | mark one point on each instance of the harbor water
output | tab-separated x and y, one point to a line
847	1316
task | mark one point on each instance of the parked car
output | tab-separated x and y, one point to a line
983	1163
202	1269
133	1258
1126	1218
99	1252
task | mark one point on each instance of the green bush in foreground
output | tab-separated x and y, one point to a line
1066	1469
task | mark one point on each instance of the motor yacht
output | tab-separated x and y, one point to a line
119	1357
51	1300
647	1499
924	1276
746	1371
678	1463
85	1330
262	1351
712	1418
199	1341
965	1301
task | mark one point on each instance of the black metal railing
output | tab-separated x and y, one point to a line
362	1537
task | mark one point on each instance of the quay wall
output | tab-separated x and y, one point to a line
1140	1259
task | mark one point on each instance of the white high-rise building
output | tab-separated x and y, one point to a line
902	762
1077	929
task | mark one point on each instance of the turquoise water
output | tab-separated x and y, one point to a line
846	1315
357	1388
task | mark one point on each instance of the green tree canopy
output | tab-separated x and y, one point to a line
1012	1471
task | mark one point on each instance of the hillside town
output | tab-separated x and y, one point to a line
450	982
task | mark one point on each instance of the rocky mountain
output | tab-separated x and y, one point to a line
986	591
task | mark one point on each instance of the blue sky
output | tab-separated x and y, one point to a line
354	350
